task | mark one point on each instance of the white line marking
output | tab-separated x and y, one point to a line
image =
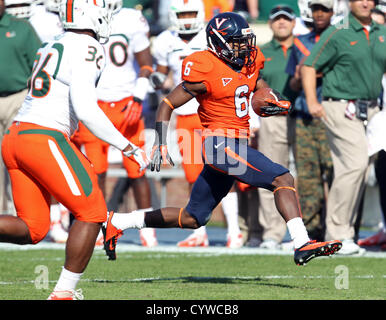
208	251
65	169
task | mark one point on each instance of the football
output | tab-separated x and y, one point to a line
258	100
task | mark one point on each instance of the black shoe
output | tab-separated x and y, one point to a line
110	237
313	249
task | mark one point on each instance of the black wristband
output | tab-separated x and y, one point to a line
161	129
135	99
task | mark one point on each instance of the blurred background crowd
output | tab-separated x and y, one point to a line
333	206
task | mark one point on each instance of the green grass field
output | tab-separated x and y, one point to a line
157	275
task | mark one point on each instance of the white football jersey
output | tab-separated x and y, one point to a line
46	24
128	36
73	58
169	50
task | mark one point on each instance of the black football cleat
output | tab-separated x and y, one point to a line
313	249
110	237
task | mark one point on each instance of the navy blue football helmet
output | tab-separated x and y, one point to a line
229	36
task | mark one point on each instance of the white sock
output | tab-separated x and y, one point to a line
67	280
231	211
201	231
298	232
147	231
133	220
55	214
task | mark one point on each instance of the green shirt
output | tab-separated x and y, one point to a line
351	59
18	45
276	58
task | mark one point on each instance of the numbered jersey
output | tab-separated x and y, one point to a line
46	24
128	36
224	107
169	50
73	58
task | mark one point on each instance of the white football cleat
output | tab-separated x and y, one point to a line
148	237
235	241
57	233
66	295
195	240
350	247
270	244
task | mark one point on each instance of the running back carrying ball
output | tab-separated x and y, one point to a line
268	102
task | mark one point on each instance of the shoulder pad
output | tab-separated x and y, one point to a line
196	66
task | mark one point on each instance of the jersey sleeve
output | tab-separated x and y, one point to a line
159	50
196	68
138	38
87	64
324	54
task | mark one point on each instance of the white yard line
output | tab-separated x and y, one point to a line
208	251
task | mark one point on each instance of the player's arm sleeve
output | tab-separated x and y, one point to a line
196	69
159	51
84	101
139	40
324	54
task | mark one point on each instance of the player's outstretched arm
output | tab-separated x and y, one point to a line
181	94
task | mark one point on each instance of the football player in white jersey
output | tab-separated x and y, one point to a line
47	24
19	8
187	35
46	21
120	94
37	150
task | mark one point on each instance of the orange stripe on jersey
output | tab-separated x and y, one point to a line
234	155
301	47
69	13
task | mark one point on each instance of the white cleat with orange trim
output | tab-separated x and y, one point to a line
195	240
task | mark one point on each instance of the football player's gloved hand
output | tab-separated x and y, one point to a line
276	106
138	155
160	155
157	79
160	152
133	112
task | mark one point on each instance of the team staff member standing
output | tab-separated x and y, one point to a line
19	43
352	60
312	154
274	133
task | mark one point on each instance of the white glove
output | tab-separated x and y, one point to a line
139	156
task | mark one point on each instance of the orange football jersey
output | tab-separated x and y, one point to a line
224	107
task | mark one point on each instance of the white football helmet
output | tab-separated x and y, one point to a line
305	11
179	6
52	5
114	5
86	15
19	8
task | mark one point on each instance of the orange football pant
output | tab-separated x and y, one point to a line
42	162
189	133
96	150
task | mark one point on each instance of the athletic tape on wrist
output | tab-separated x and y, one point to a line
141	88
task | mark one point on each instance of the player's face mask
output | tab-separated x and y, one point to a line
243	49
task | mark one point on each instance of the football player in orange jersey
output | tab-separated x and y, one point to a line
222	79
